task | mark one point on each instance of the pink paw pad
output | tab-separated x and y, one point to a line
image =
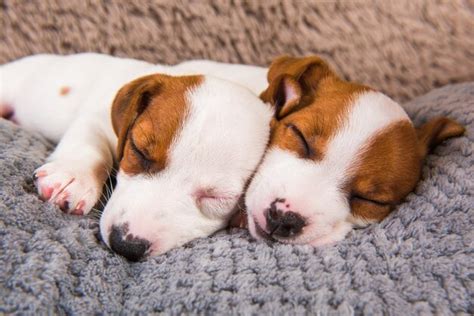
46	193
79	210
40	174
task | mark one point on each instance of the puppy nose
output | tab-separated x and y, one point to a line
132	248
284	224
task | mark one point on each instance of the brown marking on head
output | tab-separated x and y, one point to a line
310	102
390	167
146	115
387	170
63	91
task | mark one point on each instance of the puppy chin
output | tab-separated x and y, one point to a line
338	232
158	248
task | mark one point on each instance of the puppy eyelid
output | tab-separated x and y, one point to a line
144	158
300	135
368	200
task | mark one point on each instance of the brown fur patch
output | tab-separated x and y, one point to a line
321	113
145	138
387	170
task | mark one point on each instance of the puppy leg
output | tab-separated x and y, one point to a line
75	173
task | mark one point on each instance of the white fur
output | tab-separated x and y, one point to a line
220	144
314	188
218	148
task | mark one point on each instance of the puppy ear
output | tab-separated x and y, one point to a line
312	67
435	132
284	94
131	101
291	78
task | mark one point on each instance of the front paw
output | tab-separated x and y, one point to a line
74	189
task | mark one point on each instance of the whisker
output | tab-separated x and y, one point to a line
102	203
111	188
106	193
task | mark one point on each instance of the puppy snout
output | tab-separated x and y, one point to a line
131	247
283	224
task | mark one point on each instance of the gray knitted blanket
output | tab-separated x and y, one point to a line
417	261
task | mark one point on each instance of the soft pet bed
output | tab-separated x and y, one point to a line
418	260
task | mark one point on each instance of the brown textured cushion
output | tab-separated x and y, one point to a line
404	48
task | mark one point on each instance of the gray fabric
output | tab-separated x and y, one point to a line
418	260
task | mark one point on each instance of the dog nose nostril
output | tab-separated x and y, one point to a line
284	224
132	248
274	214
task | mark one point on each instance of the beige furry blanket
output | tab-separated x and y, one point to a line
404	48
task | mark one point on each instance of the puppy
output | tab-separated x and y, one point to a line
186	144
340	155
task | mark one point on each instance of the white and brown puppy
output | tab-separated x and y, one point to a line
340	155
186	145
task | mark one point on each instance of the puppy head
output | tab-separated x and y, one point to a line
340	154
186	148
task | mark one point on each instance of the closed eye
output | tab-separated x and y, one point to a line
144	159
307	149
358	197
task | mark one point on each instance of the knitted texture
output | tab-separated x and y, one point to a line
404	48
419	260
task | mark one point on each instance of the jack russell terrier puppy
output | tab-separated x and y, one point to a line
186	144
340	155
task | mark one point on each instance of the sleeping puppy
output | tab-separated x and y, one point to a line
340	155
185	144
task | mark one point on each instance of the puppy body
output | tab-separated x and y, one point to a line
187	139
57	89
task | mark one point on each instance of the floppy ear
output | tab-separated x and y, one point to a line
291	78
297	67
284	94
131	100
436	131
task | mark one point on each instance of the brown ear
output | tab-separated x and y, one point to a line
290	78
131	100
284	94
298	66
436	131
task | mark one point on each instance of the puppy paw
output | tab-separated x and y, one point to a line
66	185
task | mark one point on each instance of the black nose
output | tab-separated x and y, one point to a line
132	248
283	224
